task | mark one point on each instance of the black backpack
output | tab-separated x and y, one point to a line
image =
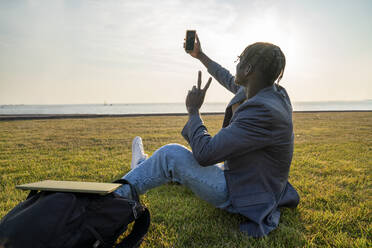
74	220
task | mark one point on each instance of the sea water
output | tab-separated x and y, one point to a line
156	108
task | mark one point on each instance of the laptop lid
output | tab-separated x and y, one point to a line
71	186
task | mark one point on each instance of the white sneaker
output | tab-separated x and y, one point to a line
138	153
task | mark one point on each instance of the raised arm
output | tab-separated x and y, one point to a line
222	75
250	130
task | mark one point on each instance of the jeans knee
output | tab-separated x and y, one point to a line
175	156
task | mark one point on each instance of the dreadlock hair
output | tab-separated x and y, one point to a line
267	58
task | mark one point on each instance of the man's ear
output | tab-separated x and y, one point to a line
248	70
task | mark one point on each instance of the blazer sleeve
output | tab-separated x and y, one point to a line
251	130
223	76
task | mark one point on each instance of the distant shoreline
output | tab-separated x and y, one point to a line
87	116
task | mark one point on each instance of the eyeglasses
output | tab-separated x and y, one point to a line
238	59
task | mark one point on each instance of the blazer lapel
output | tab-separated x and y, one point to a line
239	96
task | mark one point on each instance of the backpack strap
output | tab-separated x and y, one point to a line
140	228
132	189
141	224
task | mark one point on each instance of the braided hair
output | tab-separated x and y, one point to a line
267	58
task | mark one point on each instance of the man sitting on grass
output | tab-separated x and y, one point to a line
255	144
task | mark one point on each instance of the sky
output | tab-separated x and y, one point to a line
92	51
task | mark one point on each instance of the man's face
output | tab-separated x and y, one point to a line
240	77
237	74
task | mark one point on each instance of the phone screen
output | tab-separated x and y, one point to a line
190	40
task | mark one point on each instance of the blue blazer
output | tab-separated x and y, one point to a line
256	144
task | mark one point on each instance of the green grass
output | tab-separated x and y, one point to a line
331	170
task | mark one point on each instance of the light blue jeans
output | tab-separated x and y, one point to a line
175	163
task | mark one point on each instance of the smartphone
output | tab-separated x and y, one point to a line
190	40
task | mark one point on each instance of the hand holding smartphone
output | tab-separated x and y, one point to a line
190	40
192	47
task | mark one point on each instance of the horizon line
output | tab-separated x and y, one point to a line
144	103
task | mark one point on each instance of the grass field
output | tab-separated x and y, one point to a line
331	170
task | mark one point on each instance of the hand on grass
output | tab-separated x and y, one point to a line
195	96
